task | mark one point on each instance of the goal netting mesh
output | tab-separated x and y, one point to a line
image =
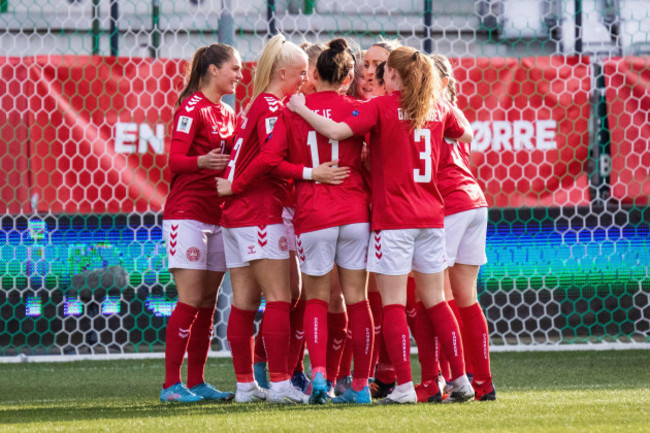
556	90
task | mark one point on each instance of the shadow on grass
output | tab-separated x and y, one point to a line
99	410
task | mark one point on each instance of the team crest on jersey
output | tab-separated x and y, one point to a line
283	244
184	124
193	254
270	123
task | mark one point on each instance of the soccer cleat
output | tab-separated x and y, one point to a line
399	396
428	392
352	396
178	393
442	385
300	380
210	393
462	391
485	391
319	388
330	389
379	389
342	385
259	371
285	393
250	393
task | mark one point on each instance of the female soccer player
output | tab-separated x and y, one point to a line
202	131
465	232
297	342
406	130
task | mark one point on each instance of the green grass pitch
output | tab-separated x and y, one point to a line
537	392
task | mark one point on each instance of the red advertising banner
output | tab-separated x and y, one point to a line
14	154
99	138
628	108
94	131
530	120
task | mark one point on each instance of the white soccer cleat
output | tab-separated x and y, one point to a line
285	393
402	394
250	393
461	391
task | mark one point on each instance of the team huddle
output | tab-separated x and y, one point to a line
342	195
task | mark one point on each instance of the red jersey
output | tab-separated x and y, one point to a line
403	162
199	127
262	202
318	206
459	188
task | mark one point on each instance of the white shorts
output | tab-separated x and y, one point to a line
465	233
287	219
194	245
397	252
244	244
347	246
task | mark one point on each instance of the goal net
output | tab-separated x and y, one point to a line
556	90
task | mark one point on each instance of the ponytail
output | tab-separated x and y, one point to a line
215	54
419	83
277	52
444	69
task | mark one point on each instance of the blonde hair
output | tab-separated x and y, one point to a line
443	66
277	52
419	83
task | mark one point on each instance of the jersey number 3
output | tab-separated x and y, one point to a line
418	175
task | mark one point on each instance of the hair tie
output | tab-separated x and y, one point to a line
415	55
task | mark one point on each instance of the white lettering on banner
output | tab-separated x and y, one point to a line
127	133
517	135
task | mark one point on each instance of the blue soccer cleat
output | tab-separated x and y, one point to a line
318	390
351	396
300	381
210	393
178	393
259	372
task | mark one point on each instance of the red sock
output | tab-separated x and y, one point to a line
316	334
451	344
425	338
411	310
277	333
374	299
260	352
337	332
199	345
296	317
300	367
362	341
345	369
459	319
177	335
443	363
396	335
477	338
385	372
241	328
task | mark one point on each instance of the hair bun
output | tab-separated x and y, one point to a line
338	45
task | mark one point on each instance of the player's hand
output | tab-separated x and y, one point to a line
296	102
214	160
329	173
224	187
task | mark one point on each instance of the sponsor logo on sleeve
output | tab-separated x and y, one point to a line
355	113
270	123
184	124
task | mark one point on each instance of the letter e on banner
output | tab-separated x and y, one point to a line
125	137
